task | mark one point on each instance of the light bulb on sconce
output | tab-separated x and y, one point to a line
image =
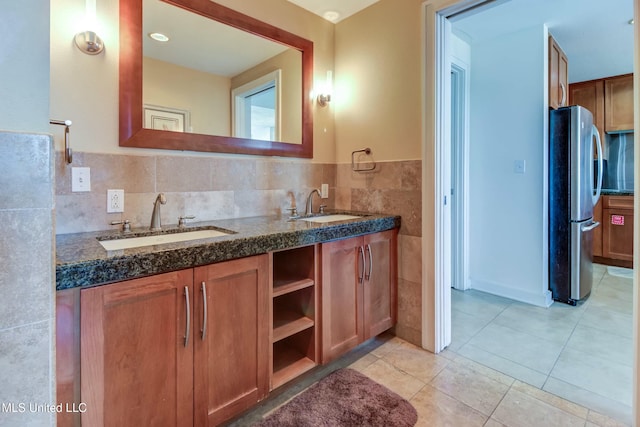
88	41
324	97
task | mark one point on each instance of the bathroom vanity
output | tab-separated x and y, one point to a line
196	332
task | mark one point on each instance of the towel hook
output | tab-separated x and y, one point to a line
354	168
68	153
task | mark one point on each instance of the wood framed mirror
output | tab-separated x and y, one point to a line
133	132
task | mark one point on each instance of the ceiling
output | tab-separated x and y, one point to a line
343	8
595	35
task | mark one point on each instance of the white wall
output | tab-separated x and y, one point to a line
508	254
24	66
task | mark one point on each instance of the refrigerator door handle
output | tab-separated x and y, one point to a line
596	197
594	224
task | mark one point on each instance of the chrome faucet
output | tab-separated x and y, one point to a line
309	209
156	224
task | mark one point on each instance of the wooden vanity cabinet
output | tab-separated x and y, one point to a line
558	76
136	350
295	313
176	349
231	338
359	286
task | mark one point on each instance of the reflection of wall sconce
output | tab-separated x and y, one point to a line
88	41
324	97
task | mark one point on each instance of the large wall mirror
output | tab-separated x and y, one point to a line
224	82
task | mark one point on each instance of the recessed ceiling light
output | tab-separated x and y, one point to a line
631	21
331	15
159	37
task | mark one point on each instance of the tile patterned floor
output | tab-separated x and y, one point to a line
508	364
583	354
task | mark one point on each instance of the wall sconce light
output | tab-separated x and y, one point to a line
324	97
88	41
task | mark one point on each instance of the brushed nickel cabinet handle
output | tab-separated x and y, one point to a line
188	307
204	308
360	262
563	100
368	276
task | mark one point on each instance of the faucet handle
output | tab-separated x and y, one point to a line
294	212
126	225
322	208
182	221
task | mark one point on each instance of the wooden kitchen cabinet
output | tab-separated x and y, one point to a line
137	352
558	76
590	94
619	103
231	338
359	286
617	239
164	351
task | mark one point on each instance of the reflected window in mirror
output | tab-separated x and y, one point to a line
256	108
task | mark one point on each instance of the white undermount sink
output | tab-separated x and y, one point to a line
330	218
159	239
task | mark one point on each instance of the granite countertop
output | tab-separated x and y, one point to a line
82	262
605	192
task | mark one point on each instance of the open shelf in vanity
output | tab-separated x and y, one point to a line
294	298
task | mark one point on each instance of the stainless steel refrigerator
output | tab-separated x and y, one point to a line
573	191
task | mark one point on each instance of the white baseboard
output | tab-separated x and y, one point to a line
542	299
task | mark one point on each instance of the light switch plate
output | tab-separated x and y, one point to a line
519	166
80	179
324	191
115	201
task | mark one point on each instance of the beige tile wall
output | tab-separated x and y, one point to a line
393	188
209	188
215	187
27	370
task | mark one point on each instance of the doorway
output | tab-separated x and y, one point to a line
459	175
437	317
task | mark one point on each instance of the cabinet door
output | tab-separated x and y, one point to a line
617	242
137	366
380	299
619	103
558	76
598	231
342	315
231	362
590	95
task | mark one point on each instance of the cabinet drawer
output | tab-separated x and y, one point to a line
617	202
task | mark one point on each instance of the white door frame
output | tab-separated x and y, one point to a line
436	310
460	174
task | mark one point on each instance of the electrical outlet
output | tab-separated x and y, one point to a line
324	191
115	201
80	179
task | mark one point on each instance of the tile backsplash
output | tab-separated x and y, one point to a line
208	188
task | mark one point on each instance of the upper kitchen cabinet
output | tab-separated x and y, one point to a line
558	75
618	96
590	94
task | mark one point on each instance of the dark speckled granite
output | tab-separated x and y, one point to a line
82	262
617	192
